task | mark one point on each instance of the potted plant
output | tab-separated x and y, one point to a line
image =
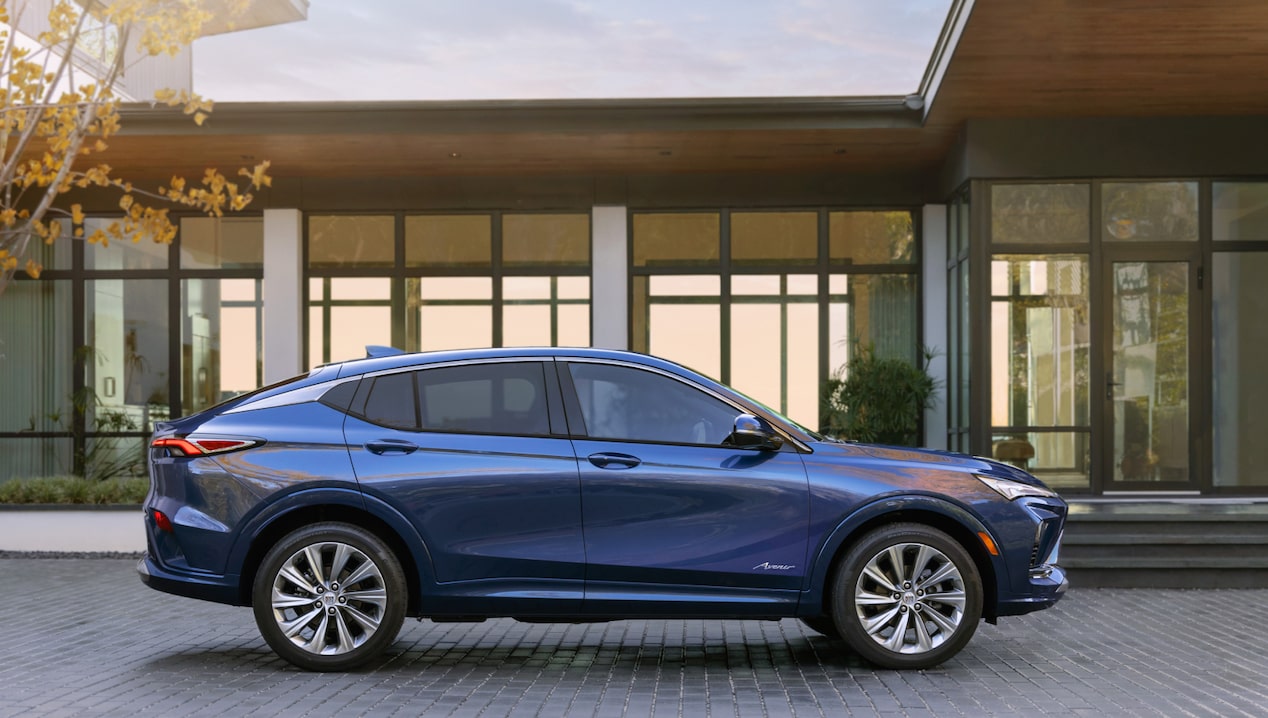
878	400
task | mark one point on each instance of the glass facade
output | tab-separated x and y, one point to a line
111	339
446	281
774	302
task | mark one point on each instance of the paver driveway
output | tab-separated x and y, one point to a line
85	637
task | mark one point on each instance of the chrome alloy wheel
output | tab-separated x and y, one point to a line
328	598
910	598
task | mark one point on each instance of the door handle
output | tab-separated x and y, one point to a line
1109	385
614	461
390	446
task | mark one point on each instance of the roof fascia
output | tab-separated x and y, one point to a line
635	115
943	51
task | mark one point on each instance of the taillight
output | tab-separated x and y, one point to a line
161	521
201	446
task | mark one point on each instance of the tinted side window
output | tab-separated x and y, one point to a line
485	399
390	401
634	405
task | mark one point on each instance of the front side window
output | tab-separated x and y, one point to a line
627	404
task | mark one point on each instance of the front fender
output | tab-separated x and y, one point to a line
874	513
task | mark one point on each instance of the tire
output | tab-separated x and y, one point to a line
822	624
884	580
329	597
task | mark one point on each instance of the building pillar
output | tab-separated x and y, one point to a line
933	279
282	294
609	279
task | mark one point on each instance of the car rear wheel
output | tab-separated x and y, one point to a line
907	596
329	597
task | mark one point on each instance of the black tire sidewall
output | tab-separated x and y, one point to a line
851	567
364	541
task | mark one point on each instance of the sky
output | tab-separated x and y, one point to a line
575	49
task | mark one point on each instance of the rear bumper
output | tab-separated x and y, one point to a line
1048	585
208	587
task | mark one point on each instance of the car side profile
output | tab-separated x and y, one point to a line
577	485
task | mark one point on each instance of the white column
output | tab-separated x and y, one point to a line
933	277
609	279
282	295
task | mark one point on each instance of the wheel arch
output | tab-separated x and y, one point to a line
364	512
955	521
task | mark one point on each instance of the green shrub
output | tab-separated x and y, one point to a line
73	490
879	400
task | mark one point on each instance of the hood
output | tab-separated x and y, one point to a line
936	457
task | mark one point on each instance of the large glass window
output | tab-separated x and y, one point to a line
1040	213
221	340
1240	211
773	302
1240	393
1149	211
452	281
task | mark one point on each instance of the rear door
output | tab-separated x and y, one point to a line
474	455
675	519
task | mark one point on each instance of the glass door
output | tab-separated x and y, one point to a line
1149	369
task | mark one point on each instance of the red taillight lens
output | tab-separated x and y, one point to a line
197	446
161	520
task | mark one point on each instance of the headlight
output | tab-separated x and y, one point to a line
1014	489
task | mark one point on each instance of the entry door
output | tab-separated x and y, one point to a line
1150	369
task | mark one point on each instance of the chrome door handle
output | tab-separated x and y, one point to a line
390	446
614	461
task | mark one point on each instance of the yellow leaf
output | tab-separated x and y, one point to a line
77	213
200	118
33	268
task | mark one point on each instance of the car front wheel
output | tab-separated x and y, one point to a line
907	596
329	597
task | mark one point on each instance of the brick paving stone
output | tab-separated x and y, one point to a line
83	637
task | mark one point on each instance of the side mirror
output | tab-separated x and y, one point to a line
750	433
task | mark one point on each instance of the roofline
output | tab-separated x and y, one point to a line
475	116
943	50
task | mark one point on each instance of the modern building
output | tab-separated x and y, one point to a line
1071	211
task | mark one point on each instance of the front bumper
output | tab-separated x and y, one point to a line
1048	585
220	589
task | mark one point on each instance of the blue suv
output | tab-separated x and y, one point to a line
575	485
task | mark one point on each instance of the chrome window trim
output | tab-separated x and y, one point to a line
302	395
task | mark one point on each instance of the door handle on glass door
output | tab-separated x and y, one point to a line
1109	385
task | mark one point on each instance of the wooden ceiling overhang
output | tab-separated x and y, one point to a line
996	59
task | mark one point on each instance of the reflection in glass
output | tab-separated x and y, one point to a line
766	237
1239	211
774	342
681	239
1239	307
459	240
1149	371
221	337
221	243
346	240
1062	459
127	373
546	239
1040	213
1040	340
871	237
1149	211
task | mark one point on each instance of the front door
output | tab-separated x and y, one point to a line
1150	361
